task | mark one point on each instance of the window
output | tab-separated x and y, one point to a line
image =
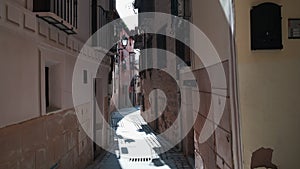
53	85
174	7
84	76
182	52
47	86
161	55
149	55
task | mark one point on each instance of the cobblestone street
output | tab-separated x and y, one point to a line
139	151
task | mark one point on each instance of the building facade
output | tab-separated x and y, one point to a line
257	86
125	71
219	150
40	42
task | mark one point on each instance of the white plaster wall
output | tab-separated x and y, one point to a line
269	87
27	44
19	72
67	101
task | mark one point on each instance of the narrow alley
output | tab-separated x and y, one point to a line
146	84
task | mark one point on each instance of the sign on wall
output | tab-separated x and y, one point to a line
294	28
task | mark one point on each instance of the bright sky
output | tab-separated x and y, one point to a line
125	9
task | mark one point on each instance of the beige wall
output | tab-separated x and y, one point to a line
268	87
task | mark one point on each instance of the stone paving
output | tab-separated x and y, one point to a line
171	159
142	149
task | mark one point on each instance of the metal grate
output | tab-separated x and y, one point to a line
139	159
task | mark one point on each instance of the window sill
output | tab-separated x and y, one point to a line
52	110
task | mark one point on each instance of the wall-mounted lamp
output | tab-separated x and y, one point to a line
124	41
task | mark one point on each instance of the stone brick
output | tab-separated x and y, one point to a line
75	154
82	145
41	160
54	127
196	101
10	139
219	161
42	143
205	103
203	80
216	77
199	164
67	161
83	114
223	146
60	147
33	134
28	159
85	156
208	156
225	122
12	164
50	154
81	132
69	121
217	108
199	123
72	138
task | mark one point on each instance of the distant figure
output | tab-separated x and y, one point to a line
262	158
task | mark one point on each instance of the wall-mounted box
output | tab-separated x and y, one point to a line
266	27
294	28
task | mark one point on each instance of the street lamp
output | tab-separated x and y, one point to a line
124	41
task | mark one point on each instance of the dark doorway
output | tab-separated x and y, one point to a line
47	86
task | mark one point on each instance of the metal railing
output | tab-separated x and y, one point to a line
66	9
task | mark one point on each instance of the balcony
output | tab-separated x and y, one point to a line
59	13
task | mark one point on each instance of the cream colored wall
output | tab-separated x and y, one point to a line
269	87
